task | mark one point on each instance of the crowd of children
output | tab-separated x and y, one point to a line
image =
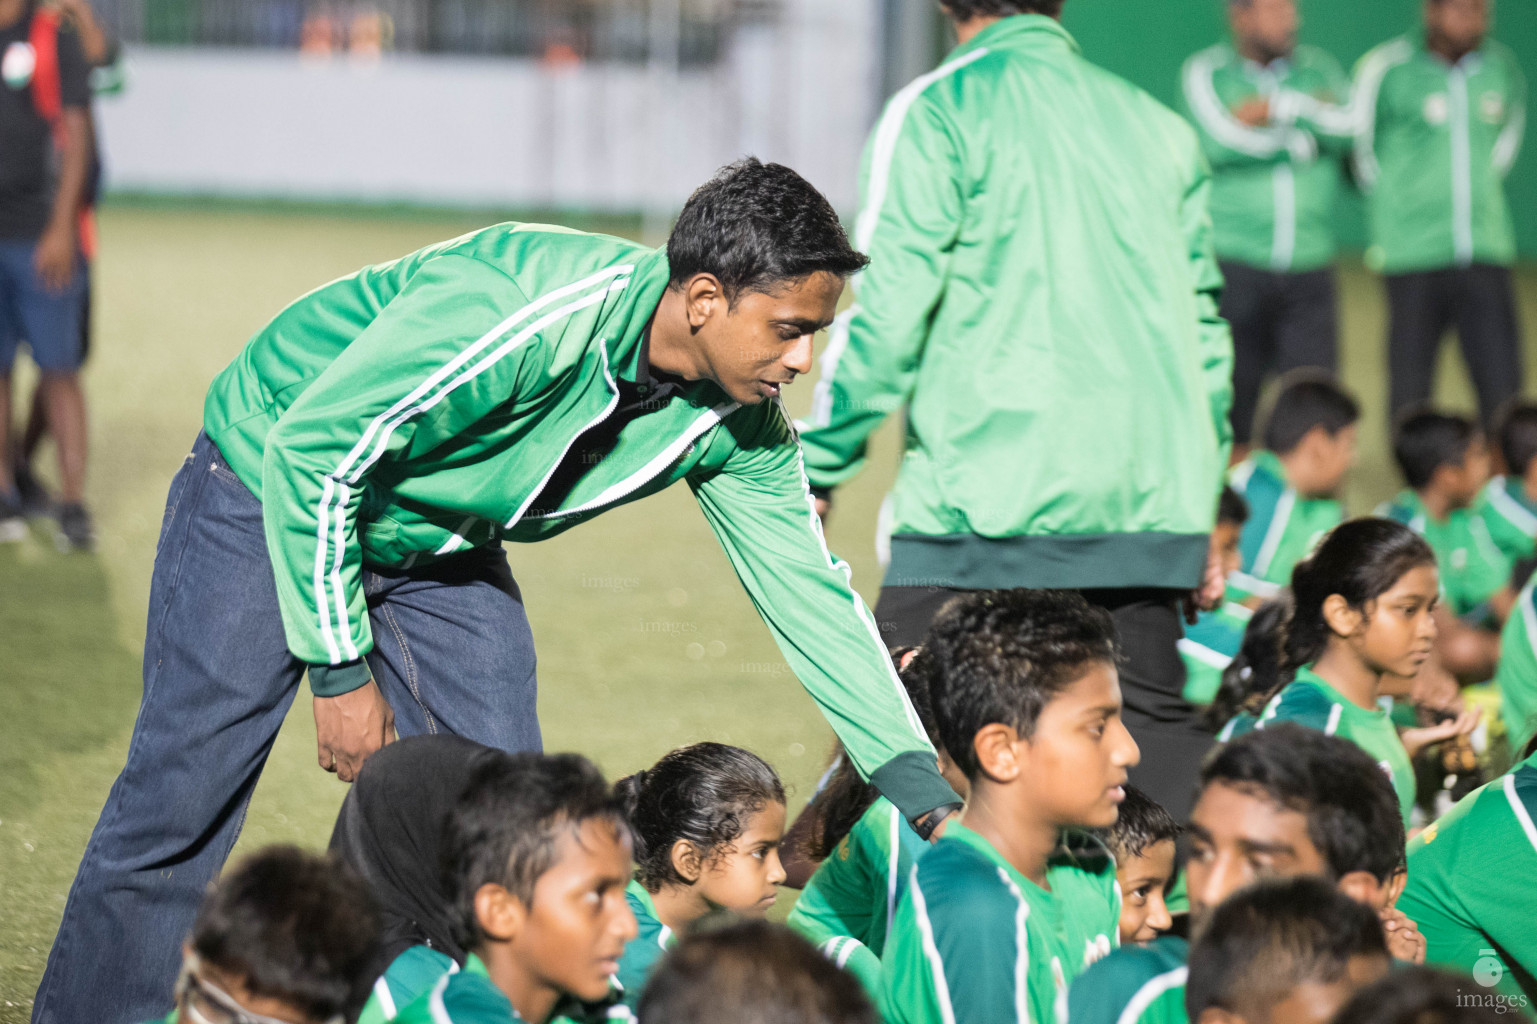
1325	857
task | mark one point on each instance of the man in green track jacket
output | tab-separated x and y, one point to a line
361	463
1042	300
1276	125
1441	115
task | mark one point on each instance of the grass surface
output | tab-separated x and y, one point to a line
646	640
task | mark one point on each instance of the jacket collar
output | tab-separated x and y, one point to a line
1021	30
625	327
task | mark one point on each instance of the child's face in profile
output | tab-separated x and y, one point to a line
1074	765
1465	480
578	921
745	877
1225	537
1144	878
1399	629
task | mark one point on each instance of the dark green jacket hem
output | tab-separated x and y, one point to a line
966	561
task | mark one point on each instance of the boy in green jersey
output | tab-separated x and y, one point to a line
285	936
1509	507
1469	886
1210	644
1516	677
1287	801
1142	842
1014	901
1289	951
537	853
1292	484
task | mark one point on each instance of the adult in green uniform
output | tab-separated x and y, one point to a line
1468	886
364	458
1042	304
1276	125
1441	112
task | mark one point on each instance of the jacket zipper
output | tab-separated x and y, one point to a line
608	410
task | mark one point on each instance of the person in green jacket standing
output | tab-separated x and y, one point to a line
1276	125
1042	301
363	459
1441	116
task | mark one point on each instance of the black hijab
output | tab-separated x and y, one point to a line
390	829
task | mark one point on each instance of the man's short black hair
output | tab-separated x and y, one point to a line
965	10
294	926
1306	399
751	971
757	226
1141	824
1001	655
1232	508
1415	994
506	825
1516	430
1267	939
1351	808
1425	440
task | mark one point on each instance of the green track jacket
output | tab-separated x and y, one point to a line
1436	142
417	408
1274	187
1042	298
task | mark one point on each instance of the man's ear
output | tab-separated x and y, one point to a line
1341	619
703	296
686	861
499	913
1363	887
997	748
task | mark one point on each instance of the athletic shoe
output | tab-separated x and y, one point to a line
75	530
13	523
35	499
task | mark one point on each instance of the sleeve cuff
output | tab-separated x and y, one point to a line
912	782
335	680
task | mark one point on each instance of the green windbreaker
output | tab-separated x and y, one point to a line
1434	146
1042	299
418	408
1274	187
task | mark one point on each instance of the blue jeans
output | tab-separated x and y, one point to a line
49	322
453	653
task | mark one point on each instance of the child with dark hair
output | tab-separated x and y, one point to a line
1211	642
1289	951
1363	607
707	822
1516	677
1142	842
536	854
866	851
1015	900
1470	885
1283	802
287	935
751	972
1509	508
1254	674
1292	484
1423	995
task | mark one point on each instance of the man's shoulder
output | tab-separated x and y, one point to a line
1385	56
1140	983
550	250
957	881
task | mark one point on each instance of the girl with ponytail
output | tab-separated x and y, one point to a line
707	821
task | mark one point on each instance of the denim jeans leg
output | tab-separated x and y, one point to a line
453	651
218	680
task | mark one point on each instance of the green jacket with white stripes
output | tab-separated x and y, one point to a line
1283	528
1274	186
418	408
1134	985
1436	142
976	942
1042	300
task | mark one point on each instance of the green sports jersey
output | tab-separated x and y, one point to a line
1209	646
1511	517
1471	565
1134	985
463	997
854	893
642	952
1516	677
1273	186
1435	142
409	975
1282	529
1308	700
976	942
1470	887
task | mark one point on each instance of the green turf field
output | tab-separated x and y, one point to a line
643	646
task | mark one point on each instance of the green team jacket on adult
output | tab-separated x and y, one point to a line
1273	187
417	408
1042	297
1435	143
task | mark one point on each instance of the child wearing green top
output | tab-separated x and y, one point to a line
536	853
1509	508
1015	900
707	822
1291	485
1210	643
1516	677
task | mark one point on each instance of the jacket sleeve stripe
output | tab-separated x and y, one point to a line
1021	951
1278	523
1519	808
1214	117
893	867
1374	68
1529	617
1510	509
1508	146
931	951
378	432
1149	992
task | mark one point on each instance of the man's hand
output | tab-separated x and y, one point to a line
54	257
1213	585
1254	112
1405	942
350	727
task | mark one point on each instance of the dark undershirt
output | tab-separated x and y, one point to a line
28	163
